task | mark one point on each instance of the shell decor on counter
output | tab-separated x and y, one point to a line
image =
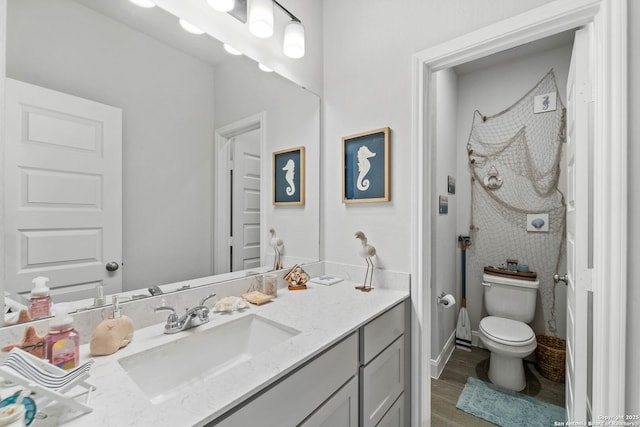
111	335
297	278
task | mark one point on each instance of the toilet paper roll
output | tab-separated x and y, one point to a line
447	301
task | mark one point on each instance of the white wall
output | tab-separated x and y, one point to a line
292	120
445	276
167	127
491	90
367	85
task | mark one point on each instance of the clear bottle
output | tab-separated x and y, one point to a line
40	302
62	343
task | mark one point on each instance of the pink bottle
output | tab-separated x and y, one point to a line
40	302
62	343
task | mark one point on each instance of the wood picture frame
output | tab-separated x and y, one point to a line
289	177
365	167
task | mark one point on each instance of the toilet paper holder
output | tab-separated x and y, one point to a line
446	300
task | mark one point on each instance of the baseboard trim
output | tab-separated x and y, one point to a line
437	365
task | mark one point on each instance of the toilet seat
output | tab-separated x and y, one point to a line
506	331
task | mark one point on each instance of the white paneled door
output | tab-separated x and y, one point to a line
579	132
63	192
245	204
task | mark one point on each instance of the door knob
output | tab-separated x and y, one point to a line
557	278
112	266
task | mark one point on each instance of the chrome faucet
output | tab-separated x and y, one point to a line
195	316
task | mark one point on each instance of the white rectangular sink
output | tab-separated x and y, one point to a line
163	371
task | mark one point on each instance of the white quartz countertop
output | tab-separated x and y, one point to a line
323	315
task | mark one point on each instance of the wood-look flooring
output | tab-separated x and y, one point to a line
462	364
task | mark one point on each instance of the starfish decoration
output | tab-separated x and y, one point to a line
31	343
23	317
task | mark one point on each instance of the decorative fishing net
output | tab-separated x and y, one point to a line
514	159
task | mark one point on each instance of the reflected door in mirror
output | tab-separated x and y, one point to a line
63	191
245	206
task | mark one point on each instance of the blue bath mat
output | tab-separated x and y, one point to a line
506	408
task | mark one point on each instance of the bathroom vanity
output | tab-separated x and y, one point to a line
329	355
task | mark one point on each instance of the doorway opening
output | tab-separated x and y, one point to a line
239	188
609	230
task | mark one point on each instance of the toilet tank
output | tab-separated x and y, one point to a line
510	298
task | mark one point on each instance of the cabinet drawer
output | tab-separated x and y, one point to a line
395	416
381	332
382	383
299	394
341	410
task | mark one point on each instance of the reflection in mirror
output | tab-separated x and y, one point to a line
181	103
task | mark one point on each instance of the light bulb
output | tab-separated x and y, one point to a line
222	5
143	3
261	18
293	46
189	27
264	68
231	49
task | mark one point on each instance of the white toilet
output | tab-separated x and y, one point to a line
511	304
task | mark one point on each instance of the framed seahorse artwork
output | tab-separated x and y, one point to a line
365	167
288	177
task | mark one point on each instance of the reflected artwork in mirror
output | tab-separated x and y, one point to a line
188	114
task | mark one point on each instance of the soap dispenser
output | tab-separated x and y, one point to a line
40	302
62	343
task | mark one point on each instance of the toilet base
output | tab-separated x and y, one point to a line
507	372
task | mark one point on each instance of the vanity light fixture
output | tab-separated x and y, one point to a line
261	18
293	46
231	49
261	23
264	68
143	3
222	5
189	27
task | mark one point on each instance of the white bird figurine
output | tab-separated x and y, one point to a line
276	243
367	252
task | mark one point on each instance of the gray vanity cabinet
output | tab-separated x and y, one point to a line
299	394
359	382
341	410
382	370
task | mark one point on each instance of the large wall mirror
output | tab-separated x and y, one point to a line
186	105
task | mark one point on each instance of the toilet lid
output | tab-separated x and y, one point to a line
507	331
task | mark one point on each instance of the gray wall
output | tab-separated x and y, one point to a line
490	90
444	246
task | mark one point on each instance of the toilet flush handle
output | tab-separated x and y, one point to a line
557	278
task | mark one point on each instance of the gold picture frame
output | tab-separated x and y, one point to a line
365	167
288	177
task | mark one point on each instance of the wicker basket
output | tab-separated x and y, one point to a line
551	355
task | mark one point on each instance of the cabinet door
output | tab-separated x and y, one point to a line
382	383
341	410
381	331
291	400
395	416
